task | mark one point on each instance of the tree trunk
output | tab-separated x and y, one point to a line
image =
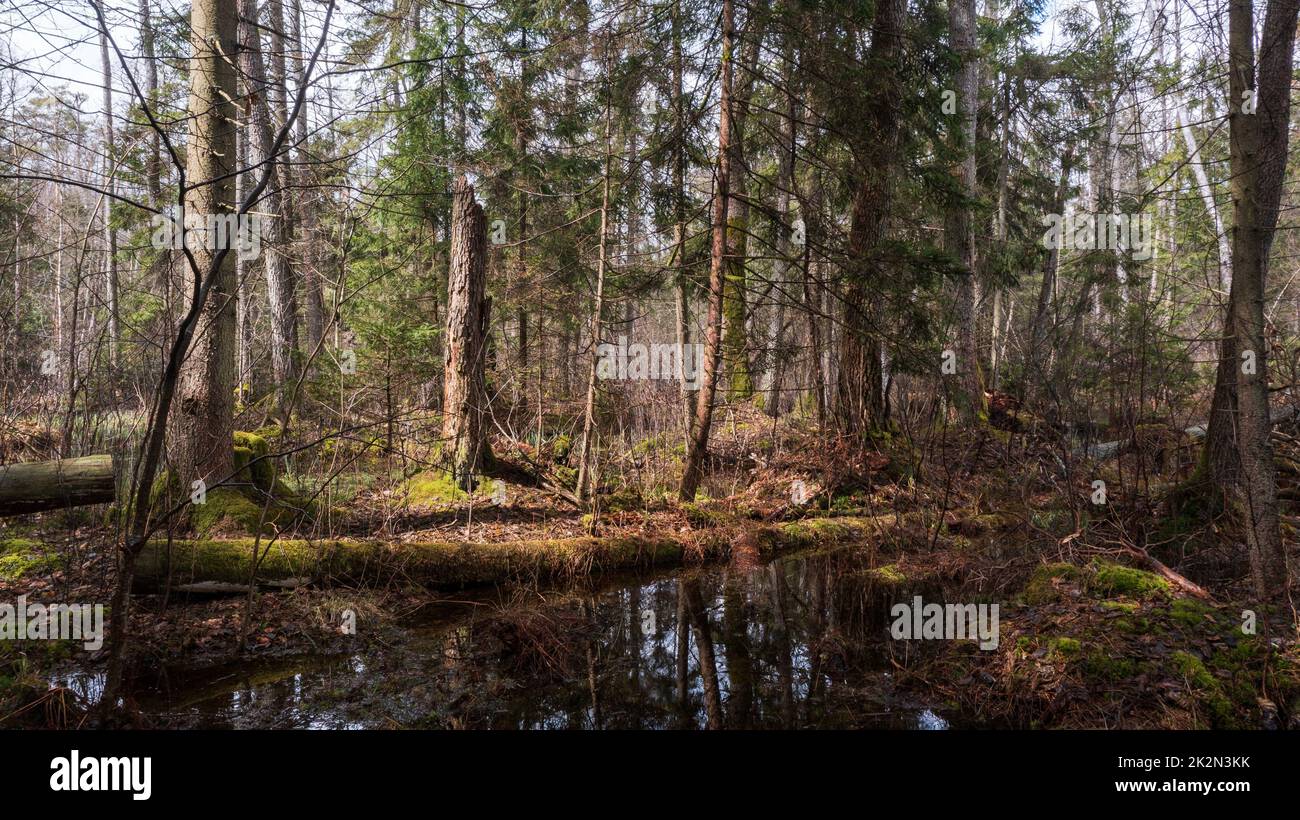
699	444
735	313
1040	364
959	230
243	283
860	404
311	258
464	396
681	291
783	263
110	235
200	366
275	238
202	445
153	159
597	309
1258	150
50	485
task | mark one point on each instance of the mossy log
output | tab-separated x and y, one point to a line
50	485
460	564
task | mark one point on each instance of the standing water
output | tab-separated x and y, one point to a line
799	643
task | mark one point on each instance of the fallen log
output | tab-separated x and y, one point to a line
1162	569
448	564
50	485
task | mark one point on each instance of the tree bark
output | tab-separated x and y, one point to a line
1040	364
202	445
959	230
464	396
50	485
699	443
784	262
275	236
860	401
597	309
314	299
1258	147
735	314
110	235
153	159
682	283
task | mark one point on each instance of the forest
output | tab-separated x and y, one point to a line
640	364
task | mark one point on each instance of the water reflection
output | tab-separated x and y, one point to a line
798	643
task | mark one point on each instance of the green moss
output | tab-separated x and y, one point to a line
432	488
252	466
700	517
1190	612
811	532
1195	500
13	546
20	556
1193	670
459	563
889	574
226	510
270	433
1104	667
1119	606
1115	579
1042	589
1223	714
740	384
1064	647
567	476
848	502
561	447
253	442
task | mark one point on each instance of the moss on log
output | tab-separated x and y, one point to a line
459	564
50	485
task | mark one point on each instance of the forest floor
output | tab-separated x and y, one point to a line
1091	633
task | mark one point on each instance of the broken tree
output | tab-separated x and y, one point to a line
464	397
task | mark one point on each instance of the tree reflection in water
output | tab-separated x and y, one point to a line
802	642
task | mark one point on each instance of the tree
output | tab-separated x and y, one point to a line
464	396
276	229
110	173
699	443
202	441
1258	121
598	304
153	159
959	228
861	406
